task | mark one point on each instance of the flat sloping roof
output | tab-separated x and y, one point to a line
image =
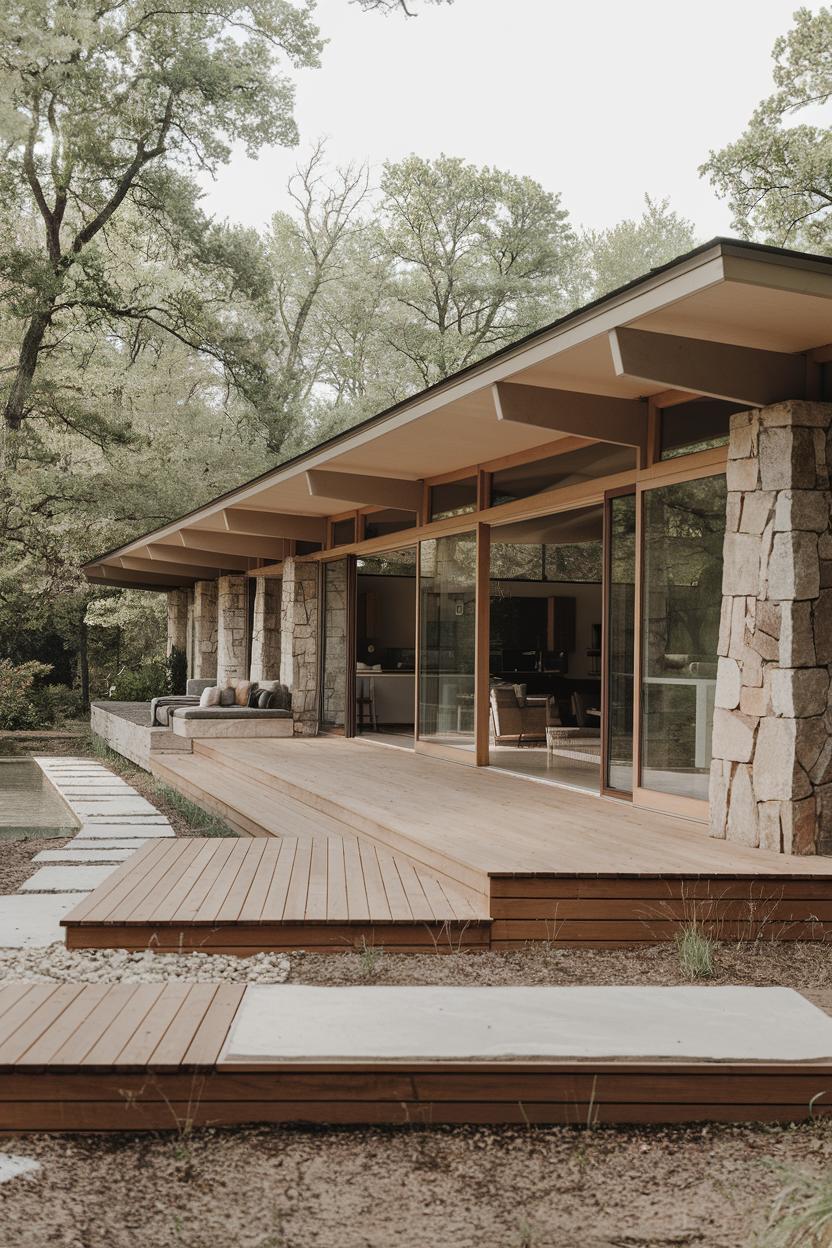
726	291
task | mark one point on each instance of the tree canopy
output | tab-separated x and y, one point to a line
777	176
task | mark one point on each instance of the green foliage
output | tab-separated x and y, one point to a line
57	705
177	673
200	821
632	248
777	176
149	680
17	705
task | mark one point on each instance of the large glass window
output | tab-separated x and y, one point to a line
571	468
343	531
447	568
697	425
390	520
684	526
456	498
334	644
621	531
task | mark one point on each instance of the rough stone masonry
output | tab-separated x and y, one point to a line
771	774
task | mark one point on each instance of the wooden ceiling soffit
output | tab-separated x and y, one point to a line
170	571
716	369
601	417
274	524
243	544
201	558
122	578
365	491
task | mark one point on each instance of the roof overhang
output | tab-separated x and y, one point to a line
731	319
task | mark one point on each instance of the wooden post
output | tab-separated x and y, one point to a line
482	645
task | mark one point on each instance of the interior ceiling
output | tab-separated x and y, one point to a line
766	309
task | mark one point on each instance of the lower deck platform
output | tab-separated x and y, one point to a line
129	1057
514	860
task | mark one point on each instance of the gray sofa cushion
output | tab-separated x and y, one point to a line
229	712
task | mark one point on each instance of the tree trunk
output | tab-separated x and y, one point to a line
83	659
27	363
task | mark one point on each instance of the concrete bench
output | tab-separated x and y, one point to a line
230	721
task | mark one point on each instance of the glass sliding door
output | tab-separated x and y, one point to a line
335	631
447	631
683	527
620	641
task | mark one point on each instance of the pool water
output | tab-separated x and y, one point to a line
29	805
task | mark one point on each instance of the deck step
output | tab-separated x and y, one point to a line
393	838
254	808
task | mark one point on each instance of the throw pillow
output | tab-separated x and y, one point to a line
210	696
226	697
253	697
242	691
265	700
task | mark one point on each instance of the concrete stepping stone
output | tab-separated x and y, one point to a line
113	806
123	820
66	879
124	831
75	855
104	843
298	1023
33	922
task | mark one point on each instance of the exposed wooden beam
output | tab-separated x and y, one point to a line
274	524
172	571
598	416
200	558
365	491
717	369
120	578
270	548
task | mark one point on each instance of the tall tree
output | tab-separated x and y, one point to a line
479	258
625	251
777	176
308	251
106	109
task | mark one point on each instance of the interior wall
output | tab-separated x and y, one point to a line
588	611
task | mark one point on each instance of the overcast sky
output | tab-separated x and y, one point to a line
600	100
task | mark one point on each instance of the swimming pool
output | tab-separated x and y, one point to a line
29	805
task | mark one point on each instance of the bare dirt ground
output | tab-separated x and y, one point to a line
471	1188
16	859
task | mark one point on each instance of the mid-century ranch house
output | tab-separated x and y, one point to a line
600	559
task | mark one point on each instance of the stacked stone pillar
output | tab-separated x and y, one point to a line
179	602
265	630
771	775
205	630
232	621
299	642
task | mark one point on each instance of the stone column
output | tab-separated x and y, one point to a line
334	658
231	628
299	642
771	775
205	630
179	601
265	630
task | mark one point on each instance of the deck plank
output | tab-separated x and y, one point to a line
123	1026
223	883
205	1047
174	1044
30	1029
76	1046
275	903
73	1017
253	905
358	907
377	901
151	1031
336	893
295	908
237	894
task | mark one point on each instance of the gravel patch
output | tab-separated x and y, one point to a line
688	1187
16	859
805	967
116	966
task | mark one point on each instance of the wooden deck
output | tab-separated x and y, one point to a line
541	863
247	896
124	1057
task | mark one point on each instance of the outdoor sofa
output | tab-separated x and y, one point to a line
187	717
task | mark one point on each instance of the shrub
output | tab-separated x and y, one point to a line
56	704
177	665
18	707
149	680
